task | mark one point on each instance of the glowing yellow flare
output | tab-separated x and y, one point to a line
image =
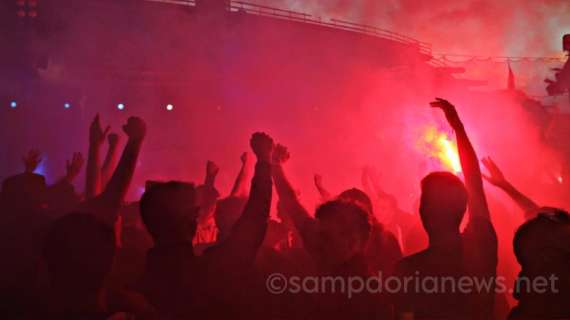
438	145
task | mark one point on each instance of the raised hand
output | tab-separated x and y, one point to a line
280	154
448	110
74	166
135	129
496	176
96	133
113	139
31	160
212	169
262	145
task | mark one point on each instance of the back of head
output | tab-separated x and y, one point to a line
228	211
344	230
542	245
169	211
357	197
443	202
79	252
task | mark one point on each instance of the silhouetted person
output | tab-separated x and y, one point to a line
26	190
337	239
23	223
452	254
177	282
383	250
542	247
78	254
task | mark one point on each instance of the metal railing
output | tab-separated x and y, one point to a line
187	3
250	8
261	10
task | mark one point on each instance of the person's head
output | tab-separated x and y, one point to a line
79	251
228	211
542	245
566	42
344	230
357	197
169	212
443	203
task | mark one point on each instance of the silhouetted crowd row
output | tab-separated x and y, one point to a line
184	251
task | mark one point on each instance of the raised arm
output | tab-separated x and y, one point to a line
73	168
31	161
240	185
212	171
118	185
302	221
325	194
93	174
249	231
469	162
497	179
110	160
207	194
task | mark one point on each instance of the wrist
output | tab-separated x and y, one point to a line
264	158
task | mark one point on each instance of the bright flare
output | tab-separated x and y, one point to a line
438	145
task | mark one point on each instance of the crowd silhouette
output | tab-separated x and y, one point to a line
185	251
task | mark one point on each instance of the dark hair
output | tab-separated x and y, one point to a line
347	213
544	242
166	207
358	197
79	251
443	202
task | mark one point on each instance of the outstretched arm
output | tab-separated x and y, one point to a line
115	191
325	194
497	179
469	162
73	168
240	185
93	175
207	194
212	171
110	160
303	222
249	231
120	181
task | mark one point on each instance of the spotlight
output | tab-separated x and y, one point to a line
13	104
169	107
67	105
120	106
